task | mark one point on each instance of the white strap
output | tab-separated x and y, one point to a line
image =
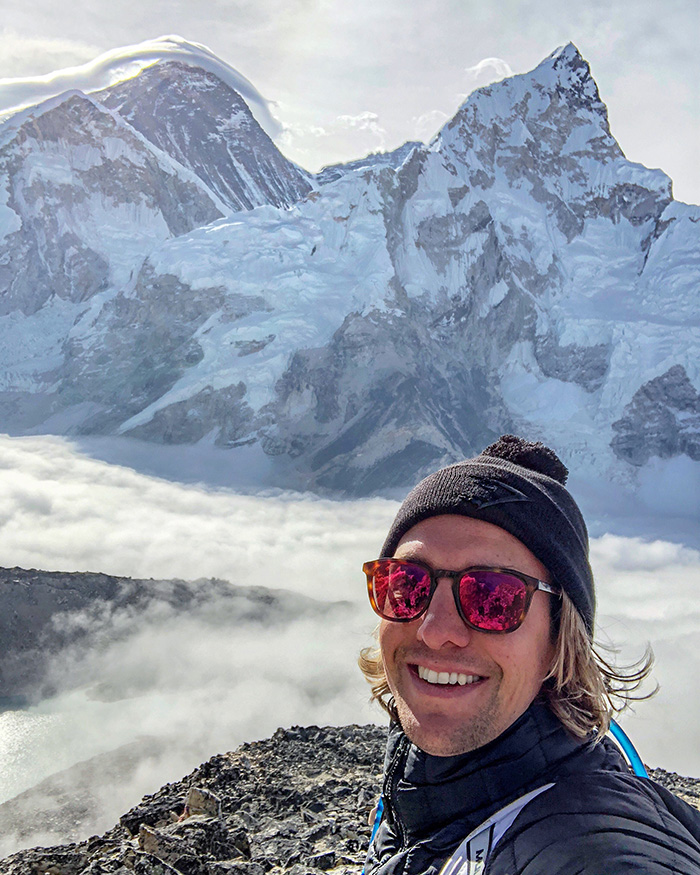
471	856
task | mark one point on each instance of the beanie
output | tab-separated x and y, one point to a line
519	486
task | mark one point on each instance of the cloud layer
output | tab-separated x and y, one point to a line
202	685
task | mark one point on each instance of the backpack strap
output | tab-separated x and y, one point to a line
471	856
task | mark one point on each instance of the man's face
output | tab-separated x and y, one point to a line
505	670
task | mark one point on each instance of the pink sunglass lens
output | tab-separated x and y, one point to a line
492	601
401	590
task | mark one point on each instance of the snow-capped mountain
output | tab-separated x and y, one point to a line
517	274
86	199
206	125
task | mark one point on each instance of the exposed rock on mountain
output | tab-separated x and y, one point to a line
206	126
87	199
662	419
517	274
298	802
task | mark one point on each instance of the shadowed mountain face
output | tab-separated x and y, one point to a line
207	126
46	613
517	274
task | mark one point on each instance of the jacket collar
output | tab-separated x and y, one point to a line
426	792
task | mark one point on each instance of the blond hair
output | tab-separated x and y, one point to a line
583	689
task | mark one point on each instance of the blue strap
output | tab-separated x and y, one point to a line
377	819
628	749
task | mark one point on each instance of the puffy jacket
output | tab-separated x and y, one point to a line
597	819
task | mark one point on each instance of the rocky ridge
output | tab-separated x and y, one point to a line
43	613
299	802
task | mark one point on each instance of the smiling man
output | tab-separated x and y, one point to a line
497	760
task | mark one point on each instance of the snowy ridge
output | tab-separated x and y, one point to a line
517	274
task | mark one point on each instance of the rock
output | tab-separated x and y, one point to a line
298	801
202	802
662	419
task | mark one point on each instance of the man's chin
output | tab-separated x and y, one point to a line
443	736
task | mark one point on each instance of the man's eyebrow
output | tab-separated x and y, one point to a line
412	556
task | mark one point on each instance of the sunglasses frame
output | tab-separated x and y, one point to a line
532	585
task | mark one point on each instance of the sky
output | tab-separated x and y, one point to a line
202	685
344	79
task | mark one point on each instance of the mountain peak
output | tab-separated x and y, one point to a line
567	53
541	126
566	69
120	64
204	123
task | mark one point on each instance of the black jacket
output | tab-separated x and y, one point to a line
598	819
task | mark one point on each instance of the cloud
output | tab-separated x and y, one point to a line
64	511
200	685
122	63
204	681
484	73
365	122
488	70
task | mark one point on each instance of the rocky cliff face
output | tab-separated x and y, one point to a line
517	274
298	802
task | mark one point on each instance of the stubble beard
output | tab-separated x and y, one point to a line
451	736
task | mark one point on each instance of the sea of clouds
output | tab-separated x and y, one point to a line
189	686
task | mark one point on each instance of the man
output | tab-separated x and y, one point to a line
499	702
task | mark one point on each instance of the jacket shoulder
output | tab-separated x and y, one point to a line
601	823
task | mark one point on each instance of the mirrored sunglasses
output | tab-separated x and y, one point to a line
487	599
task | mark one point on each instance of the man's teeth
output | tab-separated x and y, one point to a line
446	677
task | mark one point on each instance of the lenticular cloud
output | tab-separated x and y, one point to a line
123	63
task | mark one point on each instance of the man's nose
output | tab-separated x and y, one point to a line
441	624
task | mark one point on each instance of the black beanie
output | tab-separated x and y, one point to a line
519	486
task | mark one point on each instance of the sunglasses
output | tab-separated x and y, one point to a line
487	599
